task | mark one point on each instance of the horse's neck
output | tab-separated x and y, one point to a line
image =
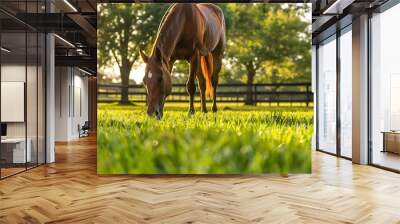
169	33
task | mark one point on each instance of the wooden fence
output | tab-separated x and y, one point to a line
229	93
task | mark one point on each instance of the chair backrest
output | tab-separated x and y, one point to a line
86	125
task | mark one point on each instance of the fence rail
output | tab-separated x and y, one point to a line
235	93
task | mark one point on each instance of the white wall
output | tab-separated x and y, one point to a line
62	82
33	126
12	73
80	104
71	102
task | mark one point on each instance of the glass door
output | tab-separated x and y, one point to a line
22	95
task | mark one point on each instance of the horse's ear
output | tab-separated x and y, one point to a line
144	56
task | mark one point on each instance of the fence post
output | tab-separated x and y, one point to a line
255	94
277	95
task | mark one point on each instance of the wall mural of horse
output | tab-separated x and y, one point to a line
191	32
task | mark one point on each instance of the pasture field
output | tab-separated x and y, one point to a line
236	140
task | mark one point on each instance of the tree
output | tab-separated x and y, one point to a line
265	33
265	42
123	29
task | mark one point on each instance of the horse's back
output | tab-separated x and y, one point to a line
203	28
214	24
213	15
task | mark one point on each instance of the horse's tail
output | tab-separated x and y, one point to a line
207	68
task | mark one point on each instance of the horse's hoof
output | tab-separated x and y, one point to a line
191	112
214	110
204	111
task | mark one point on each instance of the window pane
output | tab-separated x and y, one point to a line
345	93
327	96
31	97
385	83
14	153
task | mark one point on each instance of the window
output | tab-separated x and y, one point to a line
22	87
385	89
346	92
327	95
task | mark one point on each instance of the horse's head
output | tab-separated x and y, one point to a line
157	80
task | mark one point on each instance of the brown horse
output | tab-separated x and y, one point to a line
191	32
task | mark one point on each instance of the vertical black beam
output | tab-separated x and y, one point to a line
45	88
338	72
316	97
73	91
369	90
26	87
69	92
37	90
0	92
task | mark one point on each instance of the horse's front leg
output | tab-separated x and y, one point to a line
214	106
217	56
190	86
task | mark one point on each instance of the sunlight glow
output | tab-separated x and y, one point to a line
137	73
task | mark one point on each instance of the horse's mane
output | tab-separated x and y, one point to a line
160	26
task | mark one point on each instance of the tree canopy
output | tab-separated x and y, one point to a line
123	29
263	38
265	42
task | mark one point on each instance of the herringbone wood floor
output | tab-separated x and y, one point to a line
69	191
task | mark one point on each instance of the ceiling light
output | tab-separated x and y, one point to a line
5	50
70	5
65	41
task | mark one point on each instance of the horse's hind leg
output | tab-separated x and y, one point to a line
202	86
190	87
217	68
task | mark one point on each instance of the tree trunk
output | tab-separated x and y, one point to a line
250	79
125	85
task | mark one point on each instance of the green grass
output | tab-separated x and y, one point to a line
236	140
